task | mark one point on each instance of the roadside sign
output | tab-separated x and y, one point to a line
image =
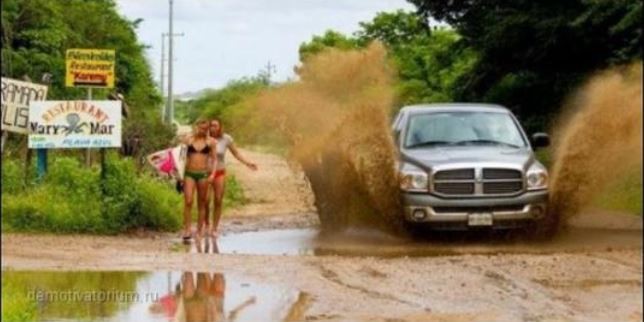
75	124
16	98
90	68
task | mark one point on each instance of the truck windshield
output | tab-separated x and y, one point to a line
463	128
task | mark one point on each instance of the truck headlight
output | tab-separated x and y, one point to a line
414	180
537	179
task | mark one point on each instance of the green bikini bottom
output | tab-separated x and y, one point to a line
196	175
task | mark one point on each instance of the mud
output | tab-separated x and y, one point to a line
600	281
336	120
600	139
372	243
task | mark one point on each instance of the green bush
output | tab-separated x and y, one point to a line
12	177
234	195
51	208
74	199
158	208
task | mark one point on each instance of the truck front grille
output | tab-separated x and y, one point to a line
502	187
458	174
494	173
477	182
455	188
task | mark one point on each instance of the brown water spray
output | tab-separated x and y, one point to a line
600	140
336	118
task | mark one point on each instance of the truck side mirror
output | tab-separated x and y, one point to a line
540	140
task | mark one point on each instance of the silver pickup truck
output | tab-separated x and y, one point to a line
469	165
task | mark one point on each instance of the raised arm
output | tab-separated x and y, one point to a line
238	156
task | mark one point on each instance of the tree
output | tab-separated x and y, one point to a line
531	54
37	33
329	39
428	61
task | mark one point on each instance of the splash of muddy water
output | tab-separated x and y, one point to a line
600	140
336	119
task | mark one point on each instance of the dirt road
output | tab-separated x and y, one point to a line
583	275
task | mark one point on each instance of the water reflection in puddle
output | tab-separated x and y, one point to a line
271	242
152	297
373	243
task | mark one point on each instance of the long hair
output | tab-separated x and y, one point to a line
220	132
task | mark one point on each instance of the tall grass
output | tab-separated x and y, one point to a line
73	199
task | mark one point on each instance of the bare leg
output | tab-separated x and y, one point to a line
202	195
220	187
211	187
188	194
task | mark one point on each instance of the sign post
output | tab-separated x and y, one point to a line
88	152
5	134
41	162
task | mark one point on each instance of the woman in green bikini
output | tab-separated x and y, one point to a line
202	150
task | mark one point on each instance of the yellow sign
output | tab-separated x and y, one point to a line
90	68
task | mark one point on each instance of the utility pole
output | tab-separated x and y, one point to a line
170	108
162	74
270	69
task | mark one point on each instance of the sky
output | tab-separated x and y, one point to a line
229	39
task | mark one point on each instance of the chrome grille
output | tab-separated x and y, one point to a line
458	174
455	188
501	174
502	187
477	182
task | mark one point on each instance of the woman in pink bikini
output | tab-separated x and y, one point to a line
224	143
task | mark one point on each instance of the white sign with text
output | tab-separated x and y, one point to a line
16	98
75	124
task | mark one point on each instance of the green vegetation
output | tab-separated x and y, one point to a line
72	199
429	62
532	54
527	56
36	35
234	195
56	289
16	305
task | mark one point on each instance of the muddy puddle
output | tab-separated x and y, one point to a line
153	296
377	244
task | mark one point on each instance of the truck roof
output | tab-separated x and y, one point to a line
464	107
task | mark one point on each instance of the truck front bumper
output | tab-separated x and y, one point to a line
507	212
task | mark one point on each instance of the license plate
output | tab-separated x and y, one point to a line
479	219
